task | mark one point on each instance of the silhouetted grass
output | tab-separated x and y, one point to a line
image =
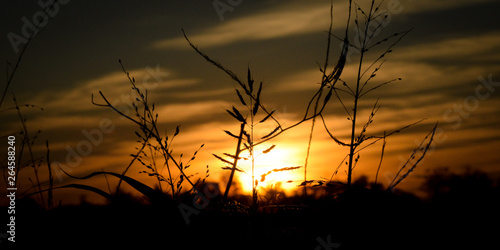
366	217
316	105
249	96
149	137
359	139
25	158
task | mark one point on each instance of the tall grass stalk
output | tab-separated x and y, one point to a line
252	101
309	112
146	120
315	106
328	80
28	142
361	86
150	138
250	97
235	161
50	198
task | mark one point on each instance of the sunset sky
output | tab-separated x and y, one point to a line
449	64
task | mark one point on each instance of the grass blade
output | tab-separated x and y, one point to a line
231	134
267	116
78	186
269	149
142	188
222	159
272	132
240	97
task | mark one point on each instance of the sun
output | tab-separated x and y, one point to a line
279	164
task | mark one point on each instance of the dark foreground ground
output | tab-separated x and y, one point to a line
363	220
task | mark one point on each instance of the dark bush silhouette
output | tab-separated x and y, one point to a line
463	206
470	188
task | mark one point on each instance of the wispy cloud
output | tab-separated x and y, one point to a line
427	5
420	66
74	108
114	85
289	19
460	48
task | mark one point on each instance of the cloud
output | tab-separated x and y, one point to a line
114	85
295	18
476	48
73	108
286	20
310	79
430	5
437	67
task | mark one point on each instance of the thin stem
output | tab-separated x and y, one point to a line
381	158
153	131
130	164
324	81
251	149
352	147
236	156
230	73
424	150
51	179
26	140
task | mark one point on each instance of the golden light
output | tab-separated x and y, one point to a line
280	164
